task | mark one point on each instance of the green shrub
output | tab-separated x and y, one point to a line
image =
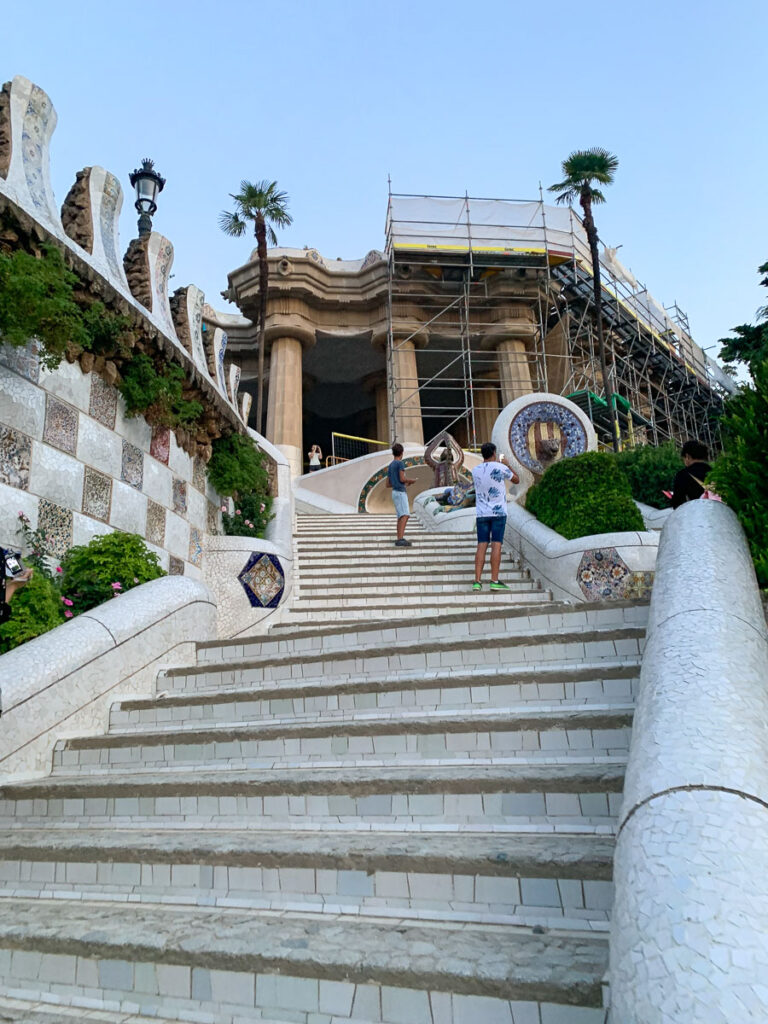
252	513
37	300
144	388
739	474
35	609
585	495
650	471
106	567
237	466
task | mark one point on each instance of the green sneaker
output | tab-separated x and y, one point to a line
498	585
477	586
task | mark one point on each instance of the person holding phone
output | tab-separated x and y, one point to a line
491	478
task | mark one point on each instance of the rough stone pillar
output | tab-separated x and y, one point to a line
284	406
557	357
408	425
514	370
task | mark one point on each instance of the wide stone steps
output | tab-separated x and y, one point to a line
396	807
571	730
506	792
608	682
229	961
514	879
434	659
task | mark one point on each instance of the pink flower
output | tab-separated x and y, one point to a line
223	508
238	512
263	506
135	579
250	525
59	569
68	615
67	602
117	586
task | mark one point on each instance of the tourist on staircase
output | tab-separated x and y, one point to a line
397	481
490	479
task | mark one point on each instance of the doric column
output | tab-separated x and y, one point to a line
514	370
486	402
512	334
284	408
408	425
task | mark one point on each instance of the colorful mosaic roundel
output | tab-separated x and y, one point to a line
545	423
603	575
263	580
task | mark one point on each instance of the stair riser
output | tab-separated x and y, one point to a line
213	996
534	806
488	692
494	628
331	592
447	895
492	656
581	742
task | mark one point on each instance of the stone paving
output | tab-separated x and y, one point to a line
355	819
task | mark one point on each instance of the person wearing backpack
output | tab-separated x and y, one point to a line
690	483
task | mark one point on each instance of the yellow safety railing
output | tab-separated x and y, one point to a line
351	446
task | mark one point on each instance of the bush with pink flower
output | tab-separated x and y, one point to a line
237	470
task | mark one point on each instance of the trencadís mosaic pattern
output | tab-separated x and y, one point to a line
379	475
603	575
545	421
263	580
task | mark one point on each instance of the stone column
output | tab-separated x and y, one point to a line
382	412
487	408
284	407
514	370
408	425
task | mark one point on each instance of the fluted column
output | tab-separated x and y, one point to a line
486	402
514	370
284	407
408	425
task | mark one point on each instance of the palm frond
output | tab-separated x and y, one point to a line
264	199
596	195
232	224
583	166
271	236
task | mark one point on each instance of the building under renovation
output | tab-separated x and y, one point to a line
472	303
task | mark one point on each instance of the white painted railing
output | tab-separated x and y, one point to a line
689	941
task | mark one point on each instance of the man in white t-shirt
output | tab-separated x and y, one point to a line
491	478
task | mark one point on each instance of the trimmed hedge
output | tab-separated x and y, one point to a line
35	609
650	471
585	495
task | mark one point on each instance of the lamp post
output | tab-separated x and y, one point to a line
148	184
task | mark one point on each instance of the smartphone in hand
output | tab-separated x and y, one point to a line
667	494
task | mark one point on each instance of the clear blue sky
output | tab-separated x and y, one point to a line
330	96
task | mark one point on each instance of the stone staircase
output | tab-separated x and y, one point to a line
397	807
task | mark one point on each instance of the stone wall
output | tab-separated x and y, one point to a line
77	466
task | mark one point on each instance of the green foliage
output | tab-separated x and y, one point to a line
260	203
236	470
37	300
740	474
106	567
237	466
107	332
144	388
252	513
750	346
35	609
580	169
650	471
585	495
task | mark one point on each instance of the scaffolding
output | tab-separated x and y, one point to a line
491	298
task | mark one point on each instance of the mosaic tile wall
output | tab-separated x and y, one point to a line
77	466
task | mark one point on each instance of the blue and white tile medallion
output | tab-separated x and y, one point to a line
263	580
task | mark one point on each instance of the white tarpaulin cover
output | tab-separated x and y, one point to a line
502	225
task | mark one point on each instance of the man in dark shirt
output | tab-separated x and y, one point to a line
689	481
397	481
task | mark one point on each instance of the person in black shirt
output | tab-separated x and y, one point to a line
688	482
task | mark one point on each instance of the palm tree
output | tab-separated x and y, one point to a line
263	205
580	170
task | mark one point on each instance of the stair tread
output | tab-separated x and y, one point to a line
428	775
575	856
510	963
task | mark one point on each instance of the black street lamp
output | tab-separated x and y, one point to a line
148	184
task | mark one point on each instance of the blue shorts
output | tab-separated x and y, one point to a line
490	528
400	501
